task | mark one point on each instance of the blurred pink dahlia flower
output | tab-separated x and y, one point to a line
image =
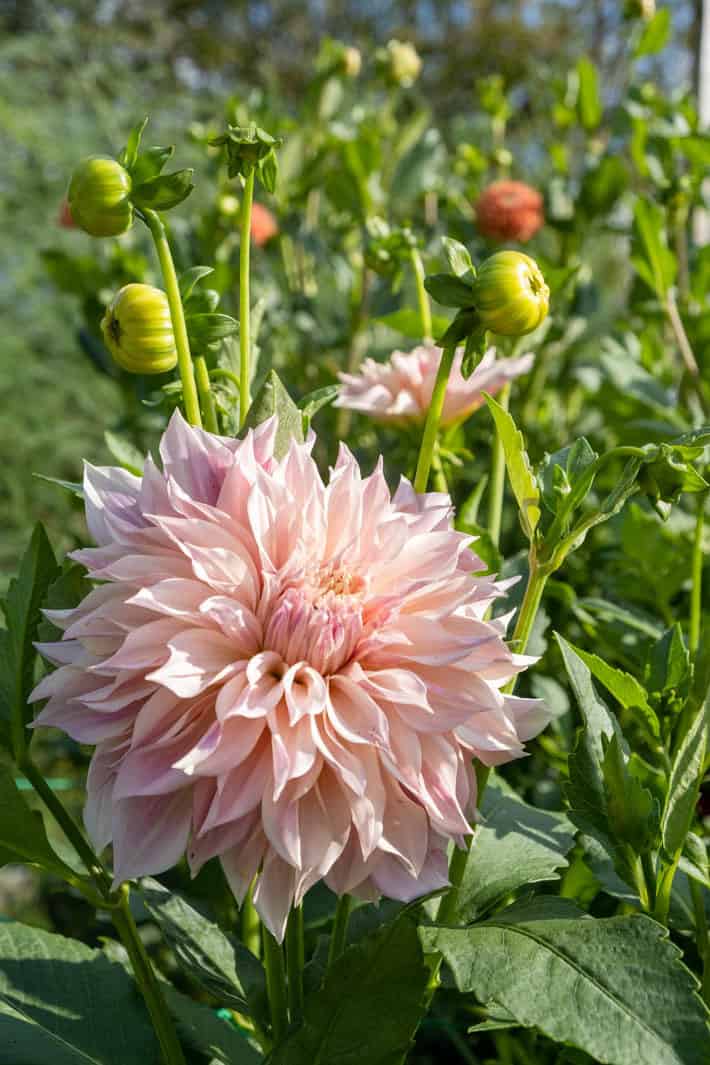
400	389
292	675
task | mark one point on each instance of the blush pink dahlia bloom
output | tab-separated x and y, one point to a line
400	389
292	675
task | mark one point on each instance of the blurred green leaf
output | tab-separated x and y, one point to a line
522	479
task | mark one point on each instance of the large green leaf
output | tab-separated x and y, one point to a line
684	784
651	256
517	463
625	688
515	845
223	966
369	1006
589	104
62	1003
22	834
22	614
616	988
200	1028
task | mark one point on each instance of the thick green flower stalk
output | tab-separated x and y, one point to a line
98	197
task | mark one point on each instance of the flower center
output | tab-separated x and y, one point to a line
318	621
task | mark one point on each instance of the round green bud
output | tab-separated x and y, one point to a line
138	330
98	197
510	294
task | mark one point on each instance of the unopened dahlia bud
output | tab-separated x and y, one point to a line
138	330
400	62
509	210
510	294
98	197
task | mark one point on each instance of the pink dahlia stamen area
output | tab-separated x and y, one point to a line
399	390
293	676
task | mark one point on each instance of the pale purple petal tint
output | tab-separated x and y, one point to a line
291	675
400	390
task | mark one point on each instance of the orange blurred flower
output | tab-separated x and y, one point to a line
509	210
263	224
65	218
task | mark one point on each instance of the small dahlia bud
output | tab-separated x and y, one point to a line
263	225
509	210
98	197
138	330
510	294
401	62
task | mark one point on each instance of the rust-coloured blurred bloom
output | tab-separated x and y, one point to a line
64	217
509	210
292	675
263	225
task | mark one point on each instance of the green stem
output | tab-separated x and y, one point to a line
497	485
431	427
275	985
250	923
640	881
649	875
147	981
457	866
664	886
177	314
686	351
339	935
422	295
440	482
244	307
537	579
358	317
295	960
68	825
120	915
696	591
209	411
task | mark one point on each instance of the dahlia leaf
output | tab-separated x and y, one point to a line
684	784
517	463
60	1001
125	453
150	163
190	278
271	400
515	845
165	191
632	811
201	1029
589	104
651	256
449	290
22	615
369	1005
628	691
221	965
22	833
655	34
614	987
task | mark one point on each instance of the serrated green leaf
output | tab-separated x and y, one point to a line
165	191
589	104
223	966
22	834
625	688
368	1007
62	1003
273	399
515	845
614	987
522	479
668	666
25	595
655	34
129	154
566	478
67	591
632	812
684	784
202	1030
125	453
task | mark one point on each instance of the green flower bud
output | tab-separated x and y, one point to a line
510	294
400	62
138	330
98	197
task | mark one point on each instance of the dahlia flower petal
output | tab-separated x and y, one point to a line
150	833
